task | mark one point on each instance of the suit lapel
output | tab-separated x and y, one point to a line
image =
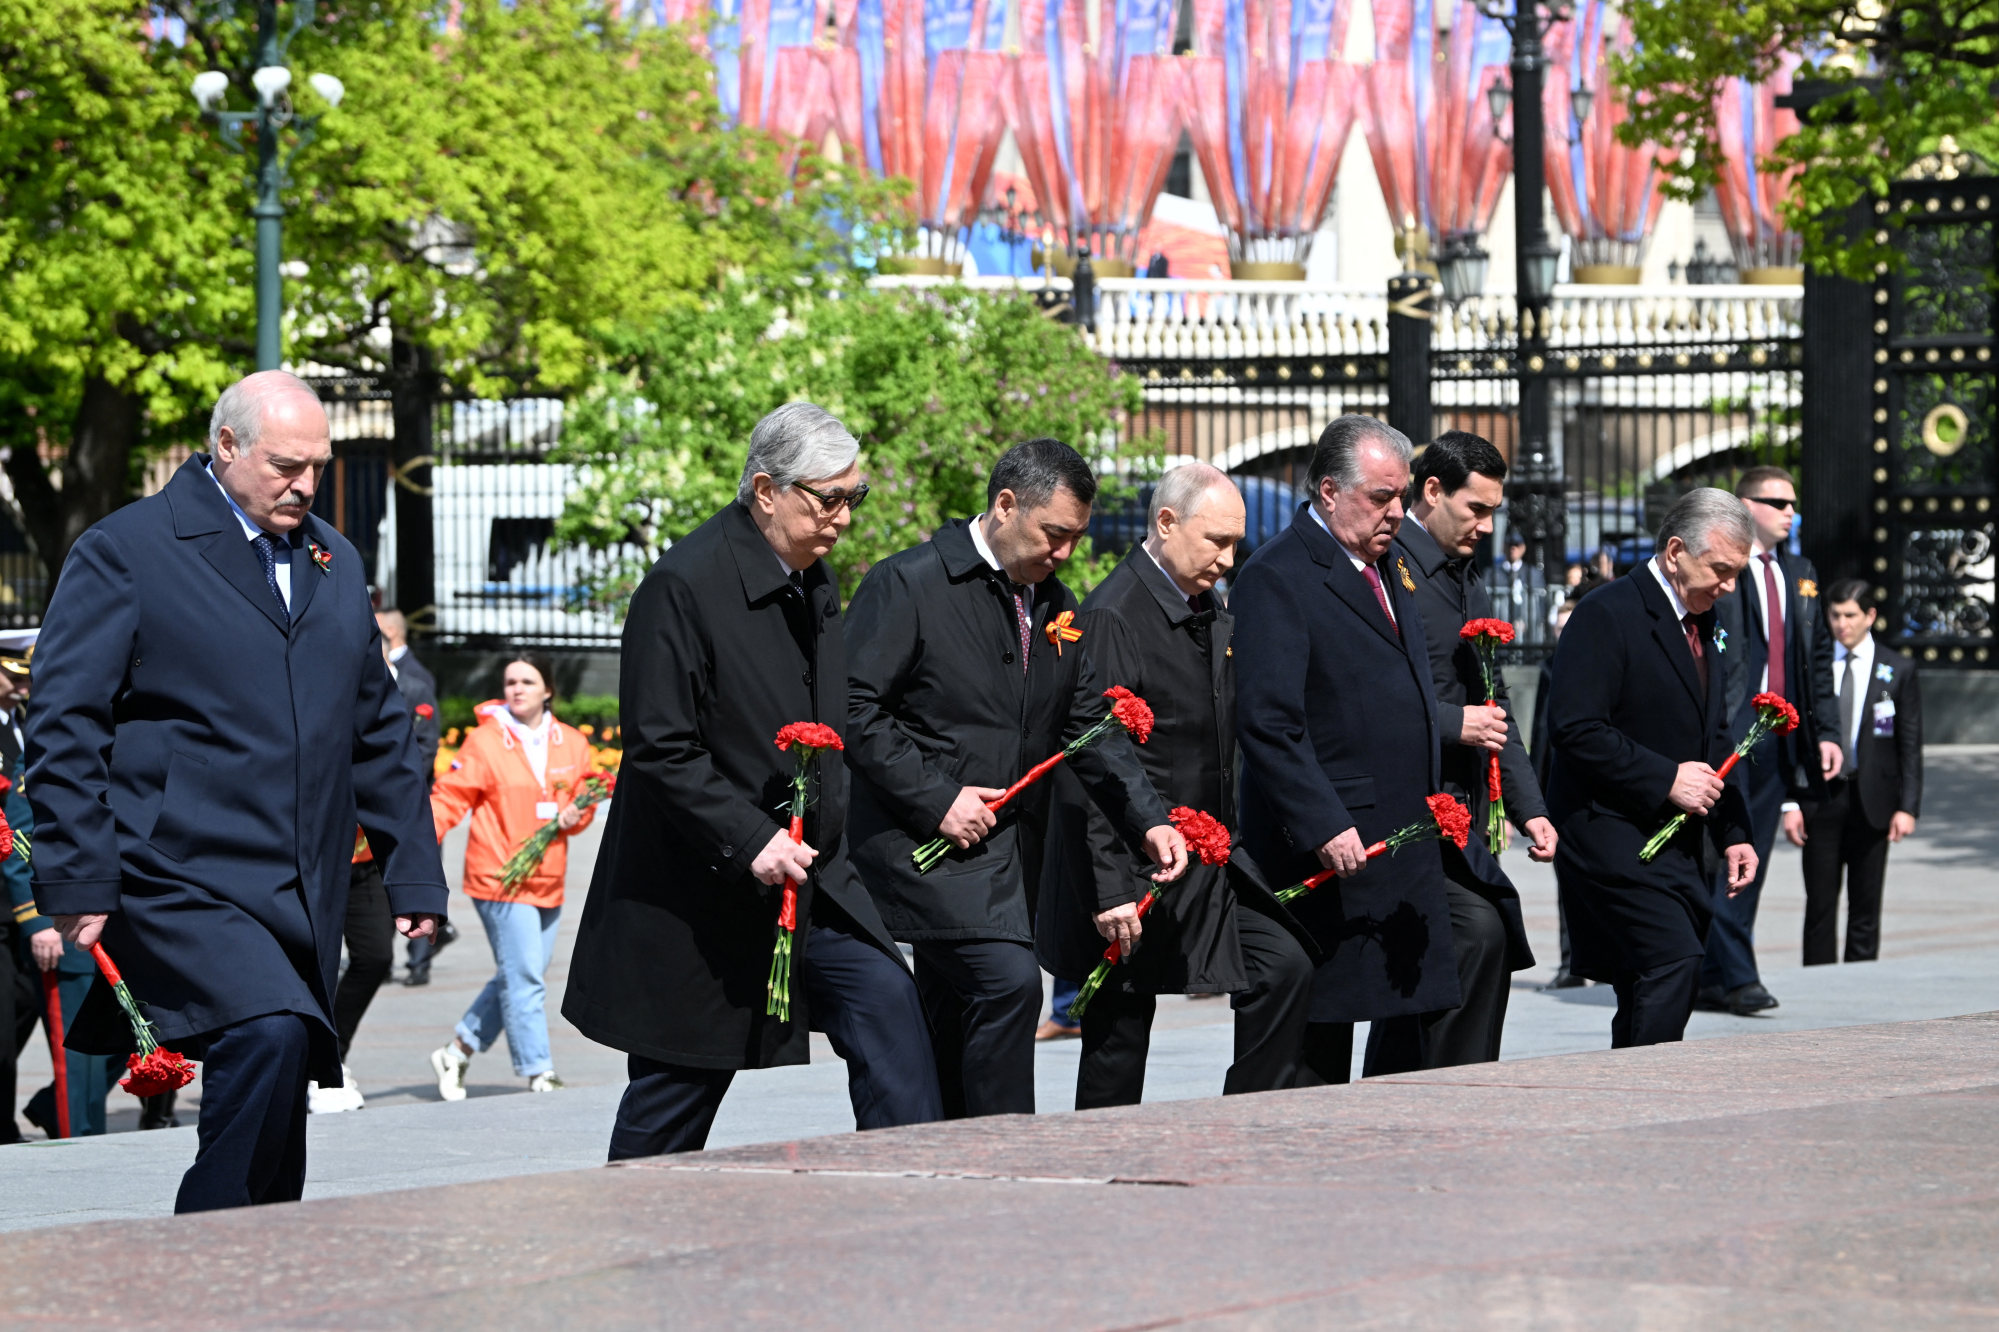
232	557
1672	640
306	575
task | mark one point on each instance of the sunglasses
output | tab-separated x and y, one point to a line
1764	500
829	504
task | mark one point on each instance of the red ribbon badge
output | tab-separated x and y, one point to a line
1062	630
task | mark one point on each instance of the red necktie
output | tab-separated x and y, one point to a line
1773	598
1694	645
1381	595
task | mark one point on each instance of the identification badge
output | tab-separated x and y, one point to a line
545	809
1884	717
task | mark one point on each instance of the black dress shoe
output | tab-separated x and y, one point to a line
1750	998
418	975
1564	981
157	1112
1712	999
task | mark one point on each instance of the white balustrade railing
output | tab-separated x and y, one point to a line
1216	319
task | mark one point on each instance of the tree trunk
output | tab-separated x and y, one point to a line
94	473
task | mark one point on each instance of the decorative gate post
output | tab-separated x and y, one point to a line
415	406
1410	303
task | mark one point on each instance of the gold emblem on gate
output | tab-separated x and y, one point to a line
1403	569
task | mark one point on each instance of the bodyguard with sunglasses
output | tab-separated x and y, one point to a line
1772	635
734	634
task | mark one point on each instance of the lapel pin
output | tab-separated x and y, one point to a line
1403	569
1062	629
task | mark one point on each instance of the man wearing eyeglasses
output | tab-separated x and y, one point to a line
1772	636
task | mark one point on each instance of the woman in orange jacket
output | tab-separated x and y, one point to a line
518	769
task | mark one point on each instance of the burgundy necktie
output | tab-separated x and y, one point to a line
1381	595
1026	622
1773	598
1695	646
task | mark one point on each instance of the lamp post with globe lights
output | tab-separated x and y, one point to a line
270	82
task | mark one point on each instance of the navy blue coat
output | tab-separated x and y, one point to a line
1625	709
197	770
1337	723
1808	644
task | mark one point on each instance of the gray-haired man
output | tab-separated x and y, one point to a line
734	634
1638	725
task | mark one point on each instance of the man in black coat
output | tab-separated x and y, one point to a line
962	680
1459	485
1638	728
1336	716
1879	791
1776	639
213	718
1157	626
734	634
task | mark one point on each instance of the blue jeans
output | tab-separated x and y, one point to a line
515	1000
1064	995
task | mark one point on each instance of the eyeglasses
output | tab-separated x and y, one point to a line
830	504
1753	499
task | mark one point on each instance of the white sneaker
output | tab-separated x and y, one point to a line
334	1100
545	1082
450	1063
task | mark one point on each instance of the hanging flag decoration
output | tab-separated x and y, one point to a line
1270	106
1606	195
1749	125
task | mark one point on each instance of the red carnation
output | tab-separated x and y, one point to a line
1132	712
1785	719
6	838
426	711
809	735
1453	819
160	1071
1205	834
6	784
1498	629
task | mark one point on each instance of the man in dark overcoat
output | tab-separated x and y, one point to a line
1158	625
214	717
1774	628
1459	485
734	634
1336	716
959	687
1638	728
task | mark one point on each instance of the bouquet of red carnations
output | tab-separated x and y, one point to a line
807	739
1486	638
154	1069
521	865
1773	715
1127	710
1449	821
10	838
1207	838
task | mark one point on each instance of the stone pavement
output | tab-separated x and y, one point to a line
1790	1180
1940	939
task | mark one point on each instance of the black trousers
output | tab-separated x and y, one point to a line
1839	837
20	1005
1269	1023
1653	1005
983	999
867	1006
1328	1055
370	931
251	1137
1469	1033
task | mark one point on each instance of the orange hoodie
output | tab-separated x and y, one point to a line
492	779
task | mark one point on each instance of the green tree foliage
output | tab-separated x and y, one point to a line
936	384
1901	76
498	195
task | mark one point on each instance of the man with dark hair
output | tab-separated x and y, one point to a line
1637	730
1459	485
1336	717
1878	793
961	680
1775	639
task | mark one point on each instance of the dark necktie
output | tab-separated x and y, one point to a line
267	551
1381	595
1695	646
1849	703
798	582
1025	621
1773	597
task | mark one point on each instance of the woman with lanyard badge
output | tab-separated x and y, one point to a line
518	769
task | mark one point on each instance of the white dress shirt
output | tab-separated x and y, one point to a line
986	554
1862	658
251	532
1679	607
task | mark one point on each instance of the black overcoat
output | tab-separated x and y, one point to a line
1625	710
1808	645
1140	631
1337	722
1451	594
673	953
939	702
197	767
